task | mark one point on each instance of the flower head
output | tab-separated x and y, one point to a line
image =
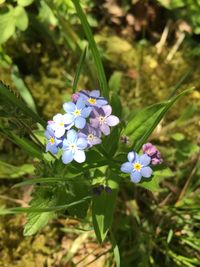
59	125
77	113
137	166
102	119
53	142
153	153
73	148
91	134
93	98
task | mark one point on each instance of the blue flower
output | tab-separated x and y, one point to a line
93	98
73	148
53	143
77	113
137	166
91	134
59	125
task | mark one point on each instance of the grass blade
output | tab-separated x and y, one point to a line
79	68
93	47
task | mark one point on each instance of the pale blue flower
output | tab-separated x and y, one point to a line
102	119
137	166
77	113
73	148
59	125
93	98
53	142
91	134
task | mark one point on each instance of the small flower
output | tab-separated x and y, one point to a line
137	166
93	98
59	125
153	153
102	119
77	113
53	143
73	148
91	134
97	190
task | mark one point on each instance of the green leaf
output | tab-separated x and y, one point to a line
111	142
115	81
22	89
21	18
93	47
8	171
76	192
46	209
11	99
7	25
78	71
37	221
103	208
25	144
115	250
144	122
116	105
24	2
160	173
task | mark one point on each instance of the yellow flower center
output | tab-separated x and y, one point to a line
137	166
90	137
52	141
72	147
92	101
101	119
77	112
61	124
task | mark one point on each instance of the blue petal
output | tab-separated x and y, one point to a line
145	160
101	102
67	156
47	134
80	122
146	172
79	156
68	118
131	156
81	143
59	132
65	144
95	93
126	167
86	112
80	103
52	148
72	136
136	177
69	107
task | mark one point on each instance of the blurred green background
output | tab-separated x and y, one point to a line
148	48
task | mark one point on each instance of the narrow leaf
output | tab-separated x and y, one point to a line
93	47
144	122
78	71
12	100
103	208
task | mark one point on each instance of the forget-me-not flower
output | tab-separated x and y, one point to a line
137	166
77	113
73	148
93	98
53	142
153	153
102	119
59	125
91	134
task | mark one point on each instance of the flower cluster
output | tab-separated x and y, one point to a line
140	165
87	118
